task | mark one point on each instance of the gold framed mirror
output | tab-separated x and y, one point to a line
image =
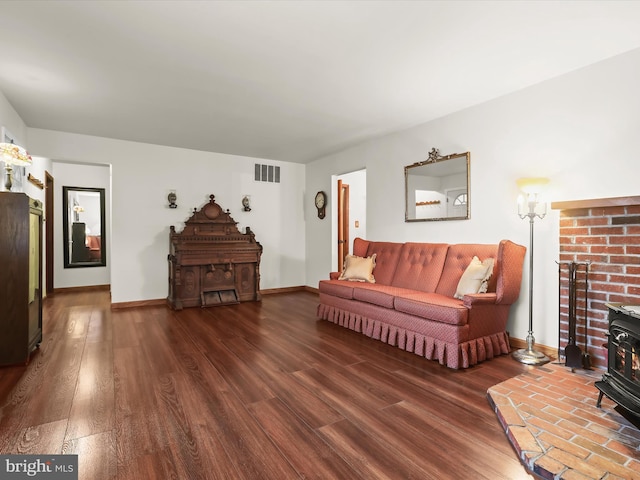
437	188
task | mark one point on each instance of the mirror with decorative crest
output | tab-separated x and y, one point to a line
437	188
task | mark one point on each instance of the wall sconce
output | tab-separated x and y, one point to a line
172	197
531	205
246	203
11	155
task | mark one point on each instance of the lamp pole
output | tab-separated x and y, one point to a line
529	355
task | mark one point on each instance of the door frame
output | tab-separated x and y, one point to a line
48	231
343	223
357	181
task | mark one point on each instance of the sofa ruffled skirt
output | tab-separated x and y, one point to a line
453	354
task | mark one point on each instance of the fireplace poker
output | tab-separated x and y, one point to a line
586	357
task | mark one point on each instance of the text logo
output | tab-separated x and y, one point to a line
50	467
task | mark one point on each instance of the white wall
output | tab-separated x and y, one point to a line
10	120
86	176
580	130
143	175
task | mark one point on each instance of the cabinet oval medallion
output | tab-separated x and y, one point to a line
211	210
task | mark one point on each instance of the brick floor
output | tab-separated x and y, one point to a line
550	417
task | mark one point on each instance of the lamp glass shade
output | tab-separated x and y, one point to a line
12	154
532	185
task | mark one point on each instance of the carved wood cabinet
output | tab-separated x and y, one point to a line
20	277
211	262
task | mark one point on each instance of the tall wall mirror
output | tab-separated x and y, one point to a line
437	188
84	227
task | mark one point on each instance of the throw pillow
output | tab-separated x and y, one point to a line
475	278
359	269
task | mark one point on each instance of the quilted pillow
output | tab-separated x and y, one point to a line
359	269
475	278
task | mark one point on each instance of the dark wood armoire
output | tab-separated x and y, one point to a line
211	262
20	277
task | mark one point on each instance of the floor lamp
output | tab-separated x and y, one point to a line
530	206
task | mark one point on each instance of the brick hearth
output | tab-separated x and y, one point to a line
550	417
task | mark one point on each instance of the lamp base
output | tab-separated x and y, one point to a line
530	357
8	177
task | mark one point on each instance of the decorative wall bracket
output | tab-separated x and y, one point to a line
35	181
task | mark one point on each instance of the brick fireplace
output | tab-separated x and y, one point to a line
605	233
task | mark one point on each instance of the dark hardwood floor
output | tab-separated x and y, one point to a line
253	391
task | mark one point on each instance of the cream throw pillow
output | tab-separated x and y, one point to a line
475	278
359	269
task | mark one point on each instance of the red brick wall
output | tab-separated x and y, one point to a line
608	238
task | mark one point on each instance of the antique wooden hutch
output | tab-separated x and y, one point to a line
211	262
20	277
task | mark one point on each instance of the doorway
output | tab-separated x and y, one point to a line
48	232
343	223
349	194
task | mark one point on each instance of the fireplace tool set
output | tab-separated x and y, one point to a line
573	354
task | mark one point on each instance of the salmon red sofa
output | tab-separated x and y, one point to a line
409	298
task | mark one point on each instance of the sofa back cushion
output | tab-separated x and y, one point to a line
387	255
420	266
360	247
458	259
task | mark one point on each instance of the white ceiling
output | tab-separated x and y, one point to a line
286	80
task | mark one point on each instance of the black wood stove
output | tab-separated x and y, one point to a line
621	383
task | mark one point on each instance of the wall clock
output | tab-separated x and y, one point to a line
321	203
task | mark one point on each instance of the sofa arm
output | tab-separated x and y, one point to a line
334	275
510	262
479	299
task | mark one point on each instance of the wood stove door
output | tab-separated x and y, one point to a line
626	346
621	383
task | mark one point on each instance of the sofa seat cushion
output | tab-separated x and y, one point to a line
337	288
381	295
433	306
